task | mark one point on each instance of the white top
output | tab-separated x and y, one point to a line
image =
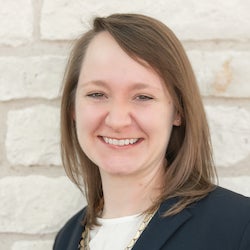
114	233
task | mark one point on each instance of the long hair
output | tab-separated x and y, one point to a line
190	172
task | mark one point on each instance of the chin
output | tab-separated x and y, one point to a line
118	170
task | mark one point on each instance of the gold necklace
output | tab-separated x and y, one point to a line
84	243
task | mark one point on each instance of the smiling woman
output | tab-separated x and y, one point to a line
123	100
135	139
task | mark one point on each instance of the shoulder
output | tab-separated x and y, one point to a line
222	198
223	209
70	233
219	221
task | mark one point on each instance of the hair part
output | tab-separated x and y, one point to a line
190	171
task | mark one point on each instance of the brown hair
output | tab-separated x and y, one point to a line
190	170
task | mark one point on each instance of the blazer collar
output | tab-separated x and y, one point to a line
158	231
160	228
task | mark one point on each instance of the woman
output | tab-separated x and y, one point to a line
135	136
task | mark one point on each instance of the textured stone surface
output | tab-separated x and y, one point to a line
32	245
32	58
195	19
222	73
33	136
230	133
29	77
37	204
240	184
15	25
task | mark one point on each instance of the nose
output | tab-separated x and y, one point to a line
118	116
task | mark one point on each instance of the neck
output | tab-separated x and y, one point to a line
128	195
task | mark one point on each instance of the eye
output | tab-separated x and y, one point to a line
143	97
96	95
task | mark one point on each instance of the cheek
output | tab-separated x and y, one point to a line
88	118
85	127
156	119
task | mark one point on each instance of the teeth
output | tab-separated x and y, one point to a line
120	142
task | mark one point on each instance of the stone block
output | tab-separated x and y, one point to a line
16	22
230	133
32	245
31	77
190	20
222	73
33	136
37	204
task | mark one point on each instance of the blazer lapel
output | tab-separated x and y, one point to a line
77	233
160	228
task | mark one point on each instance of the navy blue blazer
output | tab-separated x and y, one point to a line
220	221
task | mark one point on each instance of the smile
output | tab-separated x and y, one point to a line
121	142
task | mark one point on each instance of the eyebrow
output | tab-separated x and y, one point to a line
95	82
136	85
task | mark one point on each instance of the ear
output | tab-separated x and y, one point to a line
177	120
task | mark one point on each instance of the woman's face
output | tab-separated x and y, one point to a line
123	111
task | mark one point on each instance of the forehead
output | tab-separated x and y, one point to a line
106	61
104	49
